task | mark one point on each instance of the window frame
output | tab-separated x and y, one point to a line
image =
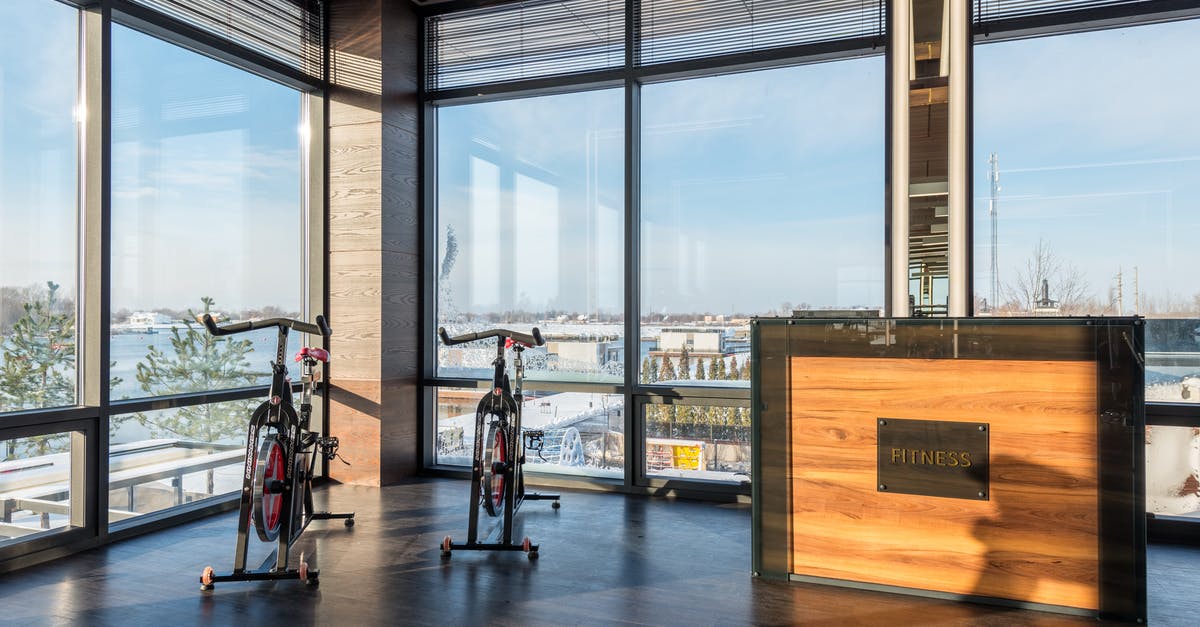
89	419
633	76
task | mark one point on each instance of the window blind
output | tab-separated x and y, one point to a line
287	31
673	30
995	10
524	40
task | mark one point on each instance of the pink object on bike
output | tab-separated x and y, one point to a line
318	354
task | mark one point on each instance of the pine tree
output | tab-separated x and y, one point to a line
745	375
39	357
668	369
446	311
645	378
716	369
733	368
653	370
39	368
685	366
198	362
700	369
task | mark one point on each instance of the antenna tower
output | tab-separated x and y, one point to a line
993	204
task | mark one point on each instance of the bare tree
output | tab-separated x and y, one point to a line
1049	281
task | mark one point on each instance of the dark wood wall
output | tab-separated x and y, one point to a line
374	240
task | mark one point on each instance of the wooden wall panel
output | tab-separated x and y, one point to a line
374	238
1035	539
354	417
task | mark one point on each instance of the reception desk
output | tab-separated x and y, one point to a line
984	459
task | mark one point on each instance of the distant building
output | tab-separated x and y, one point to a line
144	322
148	319
1044	305
591	352
699	341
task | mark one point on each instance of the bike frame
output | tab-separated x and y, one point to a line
500	408
279	413
503	404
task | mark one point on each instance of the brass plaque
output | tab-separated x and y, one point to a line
933	458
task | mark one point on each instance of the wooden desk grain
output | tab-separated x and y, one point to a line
1035	539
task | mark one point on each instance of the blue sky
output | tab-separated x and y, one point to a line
757	188
1098	141
206	169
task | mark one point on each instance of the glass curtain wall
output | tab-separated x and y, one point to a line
757	193
762	201
39	208
39	278
1087	199
204	209
530	226
207	217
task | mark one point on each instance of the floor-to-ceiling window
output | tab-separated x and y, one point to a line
143	181
39	206
39	285
760	195
530	225
206	218
639	205
1087	202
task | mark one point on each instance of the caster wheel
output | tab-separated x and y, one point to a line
349	522
206	578
533	555
446	547
312	581
556	505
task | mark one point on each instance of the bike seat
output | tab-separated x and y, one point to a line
318	354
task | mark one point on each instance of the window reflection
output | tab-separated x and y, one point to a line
35	485
206	217
530	232
1085	187
762	193
698	442
584	434
171	457
38	205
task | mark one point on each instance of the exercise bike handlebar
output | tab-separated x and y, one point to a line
530	339
320	328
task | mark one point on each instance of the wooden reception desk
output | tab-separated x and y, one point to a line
996	460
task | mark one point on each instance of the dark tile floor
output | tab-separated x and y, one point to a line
605	559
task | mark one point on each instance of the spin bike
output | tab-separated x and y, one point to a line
277	478
497	479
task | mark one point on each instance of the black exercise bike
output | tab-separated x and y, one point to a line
497	477
277	478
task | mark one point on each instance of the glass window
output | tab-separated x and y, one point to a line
207	215
1087	186
35	485
1173	471
530	219
762	193
38	204
583	434
170	457
698	442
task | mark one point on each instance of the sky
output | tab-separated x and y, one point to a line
757	189
206	170
766	188
749	182
1098	142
